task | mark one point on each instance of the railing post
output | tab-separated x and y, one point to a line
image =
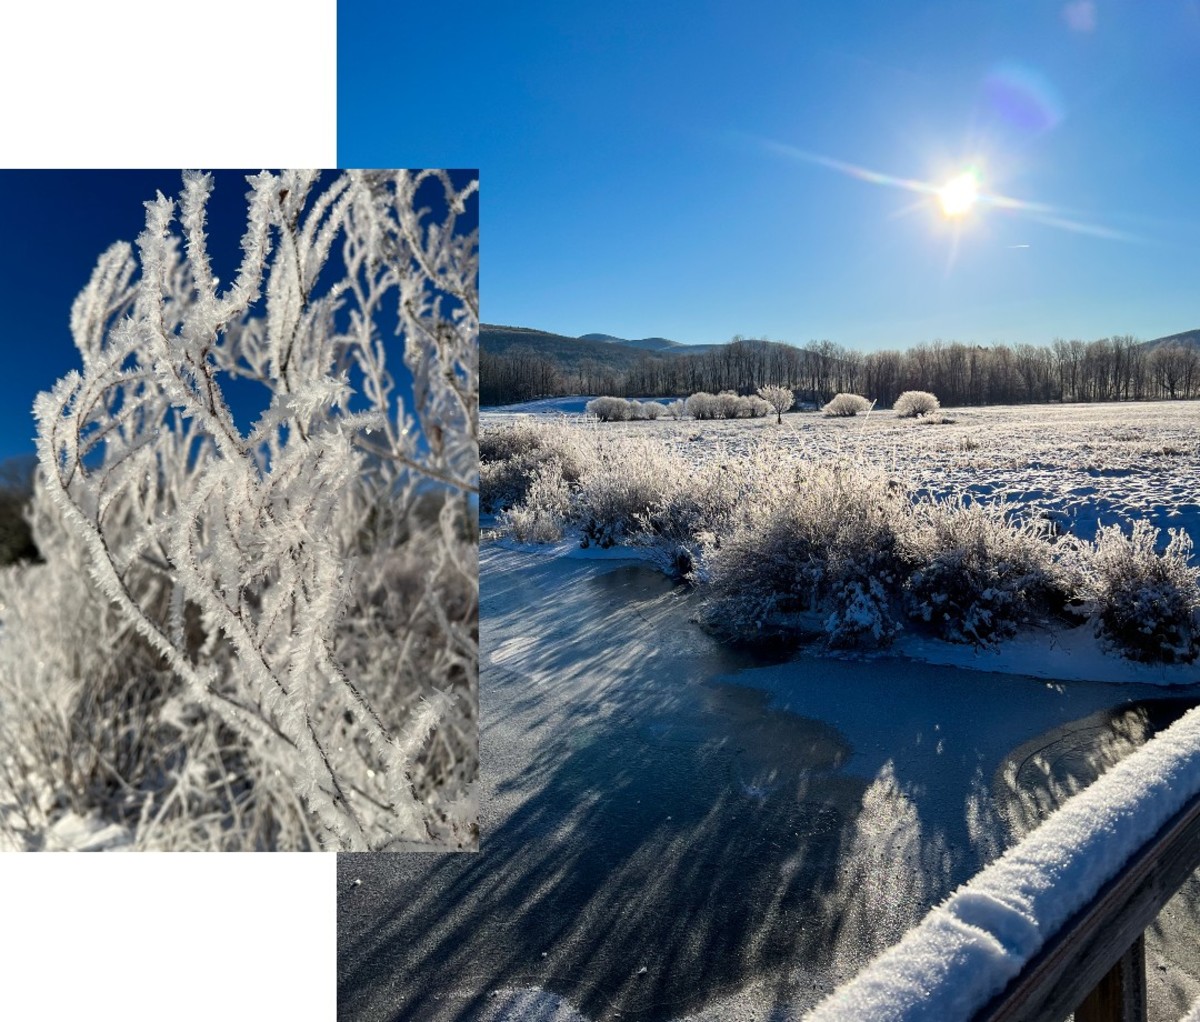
1121	995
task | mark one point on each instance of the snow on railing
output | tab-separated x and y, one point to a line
1033	933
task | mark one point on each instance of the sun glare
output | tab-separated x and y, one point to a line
958	195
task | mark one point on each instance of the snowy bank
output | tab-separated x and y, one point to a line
1066	654
967	949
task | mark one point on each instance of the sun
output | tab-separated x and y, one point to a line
958	195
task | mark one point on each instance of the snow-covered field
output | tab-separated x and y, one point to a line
1071	470
1083	464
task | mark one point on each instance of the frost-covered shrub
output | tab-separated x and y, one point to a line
725	405
757	405
1148	602
978	575
511	456
703	405
240	654
676	409
648	409
914	403
618	490
543	512
628	480
609	409
519	438
846	405
817	548
729	405
699	500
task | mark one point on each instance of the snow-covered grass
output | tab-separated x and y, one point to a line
856	530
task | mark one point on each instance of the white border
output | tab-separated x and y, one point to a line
159	83
168	936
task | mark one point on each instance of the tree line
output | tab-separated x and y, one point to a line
1109	369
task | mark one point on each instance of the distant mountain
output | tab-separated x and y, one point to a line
1189	339
646	343
569	352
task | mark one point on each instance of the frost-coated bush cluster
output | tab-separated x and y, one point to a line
979	574
815	551
915	403
260	638
1148	602
512	457
785	547
547	478
726	405
843	405
619	409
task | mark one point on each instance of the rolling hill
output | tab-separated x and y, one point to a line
646	343
1189	339
569	353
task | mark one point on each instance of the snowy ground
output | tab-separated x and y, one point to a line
672	830
1083	464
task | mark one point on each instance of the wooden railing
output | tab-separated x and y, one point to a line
1095	965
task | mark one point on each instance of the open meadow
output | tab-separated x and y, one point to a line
1083	463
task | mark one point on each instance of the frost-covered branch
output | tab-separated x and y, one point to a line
239	556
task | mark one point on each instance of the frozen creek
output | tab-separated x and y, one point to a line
674	830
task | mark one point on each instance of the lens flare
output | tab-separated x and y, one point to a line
955	197
1023	98
959	194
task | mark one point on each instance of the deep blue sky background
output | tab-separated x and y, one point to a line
54	226
632	186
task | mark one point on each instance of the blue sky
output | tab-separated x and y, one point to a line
648	169
55	224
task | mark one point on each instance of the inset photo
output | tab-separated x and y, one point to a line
238	510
